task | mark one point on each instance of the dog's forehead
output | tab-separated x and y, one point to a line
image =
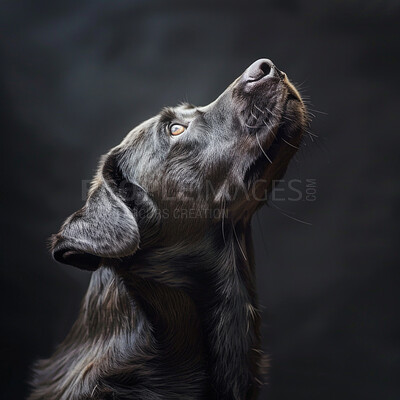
182	112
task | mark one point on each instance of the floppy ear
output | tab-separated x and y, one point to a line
104	228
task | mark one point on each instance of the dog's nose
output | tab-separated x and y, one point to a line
262	68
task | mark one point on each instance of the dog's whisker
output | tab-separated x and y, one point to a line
310	113
251	126
288	118
317	111
273	133
265	154
290	144
289	216
259	109
93	391
278	109
310	133
251	112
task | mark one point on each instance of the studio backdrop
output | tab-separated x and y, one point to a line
76	76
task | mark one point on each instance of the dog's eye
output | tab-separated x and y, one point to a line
176	129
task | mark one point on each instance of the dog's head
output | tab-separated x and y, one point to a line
183	170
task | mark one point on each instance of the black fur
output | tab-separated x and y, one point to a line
171	310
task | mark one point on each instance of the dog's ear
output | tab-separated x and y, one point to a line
104	228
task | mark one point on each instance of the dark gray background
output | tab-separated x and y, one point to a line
76	76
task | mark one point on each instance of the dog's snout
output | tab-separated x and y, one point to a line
260	69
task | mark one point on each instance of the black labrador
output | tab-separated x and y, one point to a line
171	309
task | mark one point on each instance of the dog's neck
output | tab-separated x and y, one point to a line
217	273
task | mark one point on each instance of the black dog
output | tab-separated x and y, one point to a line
171	310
